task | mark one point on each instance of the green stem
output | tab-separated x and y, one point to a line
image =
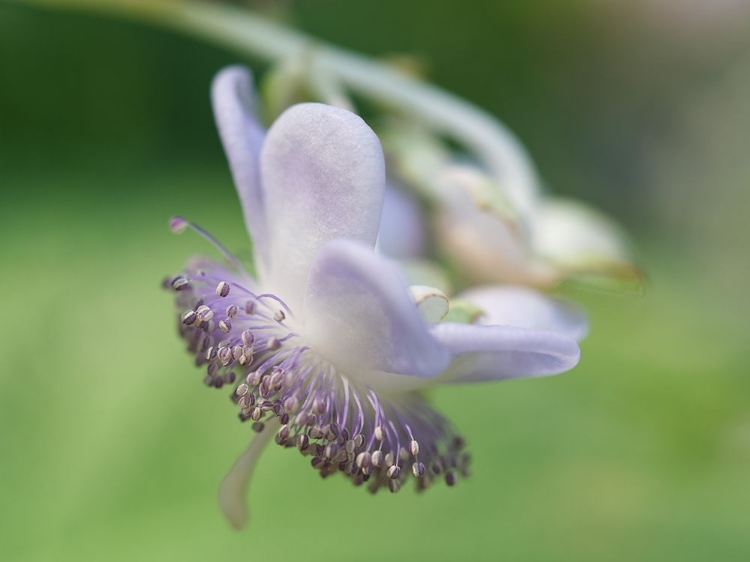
249	34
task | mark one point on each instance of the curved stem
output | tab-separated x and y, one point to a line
250	34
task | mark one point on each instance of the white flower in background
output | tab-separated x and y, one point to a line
402	236
493	237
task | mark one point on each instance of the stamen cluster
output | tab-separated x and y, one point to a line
245	339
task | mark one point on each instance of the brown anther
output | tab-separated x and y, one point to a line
414	447
222	289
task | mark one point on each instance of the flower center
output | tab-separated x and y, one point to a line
246	340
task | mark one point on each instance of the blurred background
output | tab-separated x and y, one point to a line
110	446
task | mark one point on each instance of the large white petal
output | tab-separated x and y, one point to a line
360	315
323	178
483	353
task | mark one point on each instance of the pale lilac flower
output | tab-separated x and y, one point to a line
324	347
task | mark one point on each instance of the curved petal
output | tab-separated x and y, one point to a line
526	308
323	178
573	234
234	486
359	314
401	233
483	353
486	249
242	137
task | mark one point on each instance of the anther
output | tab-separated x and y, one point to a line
265	387
302	441
319	406
279	316
333	431
222	289
450	479
225	326
256	413
379	435
250	307
418	469
393	472
232	311
177	225
377	458
189	318
204	313
180	283
258	426
211	353
247	337
359	440
331	450
247	401
291	404
389	459
242	390
277	380
266	405
414	447
363	460
225	355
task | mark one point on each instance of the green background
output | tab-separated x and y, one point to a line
110	446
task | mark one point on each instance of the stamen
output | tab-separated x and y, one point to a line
179	224
345	426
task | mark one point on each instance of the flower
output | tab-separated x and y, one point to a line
402	236
324	347
521	236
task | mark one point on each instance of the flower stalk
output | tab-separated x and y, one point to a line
252	35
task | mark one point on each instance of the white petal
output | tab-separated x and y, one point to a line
575	235
527	308
242	137
401	234
233	488
483	353
485	248
359	314
323	178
